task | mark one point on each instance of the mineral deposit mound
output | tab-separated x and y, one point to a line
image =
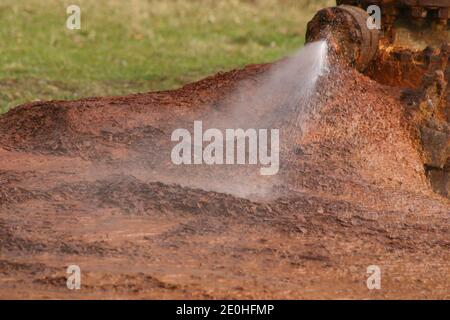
91	183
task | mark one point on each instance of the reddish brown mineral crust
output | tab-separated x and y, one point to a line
78	185
90	182
411	50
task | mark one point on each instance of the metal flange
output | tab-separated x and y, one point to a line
345	28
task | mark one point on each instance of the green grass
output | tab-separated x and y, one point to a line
138	45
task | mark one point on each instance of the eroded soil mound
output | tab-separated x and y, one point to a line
91	183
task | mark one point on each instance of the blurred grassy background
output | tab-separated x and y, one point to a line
138	45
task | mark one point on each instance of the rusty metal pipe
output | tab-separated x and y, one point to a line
345	29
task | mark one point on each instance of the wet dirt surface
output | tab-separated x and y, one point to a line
91	183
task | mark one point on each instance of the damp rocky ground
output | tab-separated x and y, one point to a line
91	183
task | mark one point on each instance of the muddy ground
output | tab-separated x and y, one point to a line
91	183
